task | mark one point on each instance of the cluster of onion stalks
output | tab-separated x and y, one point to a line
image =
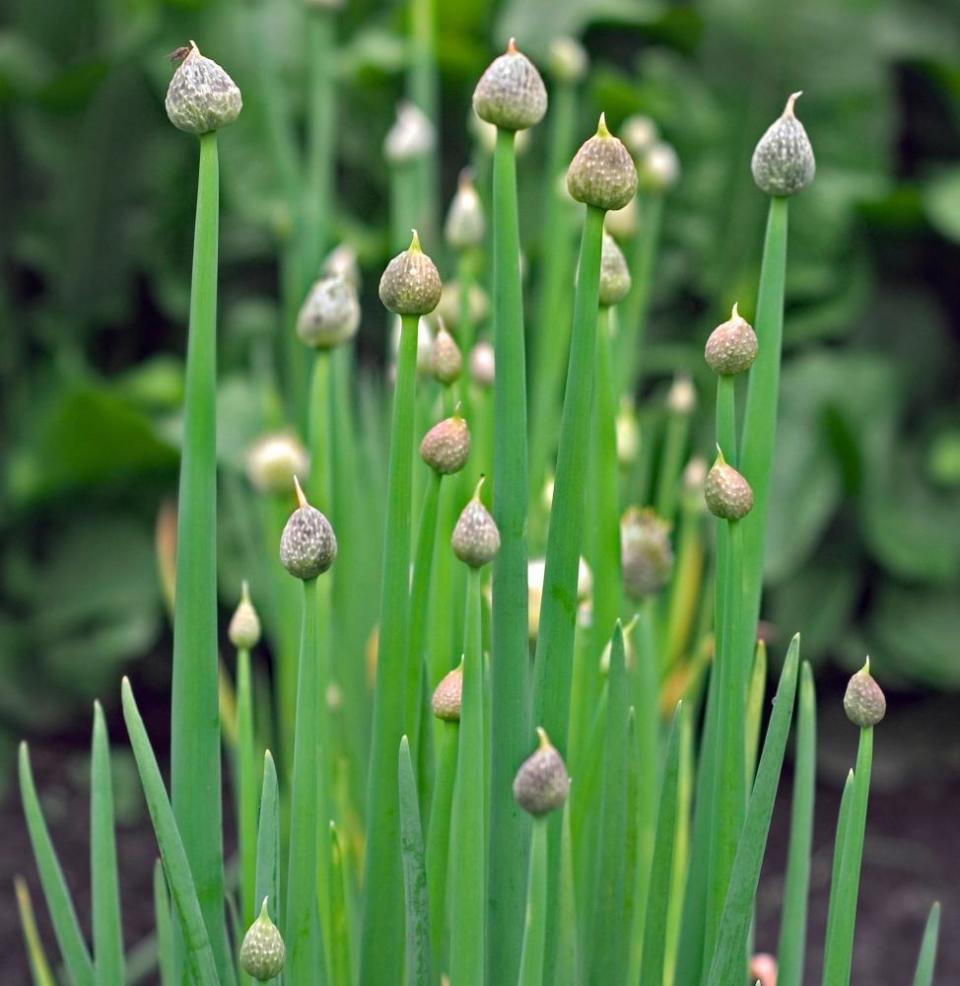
447	842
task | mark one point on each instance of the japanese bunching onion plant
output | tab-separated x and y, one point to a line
562	779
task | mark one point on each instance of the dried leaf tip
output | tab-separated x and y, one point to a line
602	130
791	102
512	47
864	701
301	496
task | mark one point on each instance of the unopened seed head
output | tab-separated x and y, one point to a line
244	630
341	261
614	273
864	701
447	696
639	133
682	395
449	308
482	364
646	552
783	161
330	314
732	346
446	446
542	783
660	168
201	97
476	539
411	283
466	224
274	459
602	173
510	94
727	493
412	136
568	59
695	475
623	223
308	545
446	360
262	952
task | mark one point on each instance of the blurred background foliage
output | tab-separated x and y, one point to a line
97	199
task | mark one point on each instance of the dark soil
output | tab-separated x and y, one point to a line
911	855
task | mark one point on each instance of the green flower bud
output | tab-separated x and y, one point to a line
447	696
732	346
510	94
727	493
446	360
864	701
446	446
411	283
273	460
639	133
482	364
645	551
614	274
602	173
201	97
262	953
466	224
330	314
568	59
783	162
542	783
244	630
308	545
412	136
476	539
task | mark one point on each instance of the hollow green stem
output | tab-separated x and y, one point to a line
671	463
531	958
419	969
438	837
247	786
510	686
423	88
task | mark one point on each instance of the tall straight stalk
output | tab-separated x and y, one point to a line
247	788
195	721
438	836
423	92
383	924
510	708
531	960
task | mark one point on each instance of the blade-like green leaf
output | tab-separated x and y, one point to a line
161	916
339	915
268	841
246	771
39	966
418	954
927	958
531	957
438	836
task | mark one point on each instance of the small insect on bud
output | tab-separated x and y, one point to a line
614	274
412	136
542	783
341	261
482	364
660	168
728	495
411	283
447	696
446	446
476	539
446	360
602	173
330	314
623	223
466	224
510	94
308	545
864	701
244	630
201	97
783	161
682	395
639	133
262	953
273	460
568	59
646	552
732	346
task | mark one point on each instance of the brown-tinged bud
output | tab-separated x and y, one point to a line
466	225
732	346
330	314
273	460
727	493
476	539
412	136
783	161
660	168
446	446
411	283
623	223
482	364
448	695
639	133
542	783
446	360
646	552
568	59
614	274
244	630
262	952
602	173
864	701
201	97
510	94
308	545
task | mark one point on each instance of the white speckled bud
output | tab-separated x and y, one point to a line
510	94
660	168
308	545
727	493
614	274
448	695
568	59
466	224
783	161
476	539
273	460
201	97
602	173
482	364
639	133
732	346
244	630
330	314
646	552
262	952
412	136
410	285
446	360
864	701
542	783
446	446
